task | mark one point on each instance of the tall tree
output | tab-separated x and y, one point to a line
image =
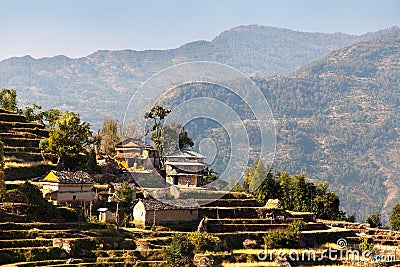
395	218
157	114
68	137
374	220
8	99
175	137
110	136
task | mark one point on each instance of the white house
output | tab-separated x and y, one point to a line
63	187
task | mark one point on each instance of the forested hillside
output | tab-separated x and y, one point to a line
338	119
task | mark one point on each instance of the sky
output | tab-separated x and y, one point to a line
77	28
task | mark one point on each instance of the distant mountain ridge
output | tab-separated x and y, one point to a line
101	84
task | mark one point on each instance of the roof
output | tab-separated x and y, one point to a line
186	154
65	177
146	178
134	142
102	209
118	186
170	204
177	163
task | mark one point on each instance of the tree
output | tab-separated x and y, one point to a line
31	114
157	114
180	251
110	136
8	99
34	198
395	218
124	194
68	137
173	137
374	220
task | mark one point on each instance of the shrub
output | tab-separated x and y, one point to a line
68	214
180	252
202	241
288	238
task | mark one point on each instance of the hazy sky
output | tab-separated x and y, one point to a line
79	27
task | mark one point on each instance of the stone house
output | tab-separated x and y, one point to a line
64	187
147	212
135	154
185	168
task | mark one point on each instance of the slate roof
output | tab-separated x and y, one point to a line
65	177
171	204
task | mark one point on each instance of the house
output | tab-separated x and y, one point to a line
64	187
135	154
185	168
112	187
150	211
106	215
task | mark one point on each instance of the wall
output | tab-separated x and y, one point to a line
141	217
178	215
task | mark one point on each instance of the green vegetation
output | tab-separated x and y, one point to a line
8	99
110	136
295	192
180	252
157	114
68	137
182	247
124	194
395	218
288	238
374	220
167	138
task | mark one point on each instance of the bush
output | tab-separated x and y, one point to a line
203	242
180	252
288	238
68	214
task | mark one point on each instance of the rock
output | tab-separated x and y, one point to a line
202	226
250	243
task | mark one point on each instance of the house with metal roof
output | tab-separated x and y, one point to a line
64	187
185	168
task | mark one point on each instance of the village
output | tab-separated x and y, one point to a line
137	213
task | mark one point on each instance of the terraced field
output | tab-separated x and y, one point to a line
74	244
21	138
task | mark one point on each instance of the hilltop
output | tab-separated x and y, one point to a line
101	84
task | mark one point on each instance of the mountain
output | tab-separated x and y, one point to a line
338	120
335	98
101	84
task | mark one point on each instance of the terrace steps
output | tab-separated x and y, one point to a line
21	139
33	244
